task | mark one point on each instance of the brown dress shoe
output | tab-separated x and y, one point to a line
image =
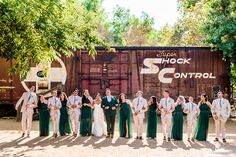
168	138
164	138
216	140
224	140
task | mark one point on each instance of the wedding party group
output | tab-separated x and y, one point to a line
88	116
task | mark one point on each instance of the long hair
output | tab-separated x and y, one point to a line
98	94
205	96
65	97
154	101
182	99
120	100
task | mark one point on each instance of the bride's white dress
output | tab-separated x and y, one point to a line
99	125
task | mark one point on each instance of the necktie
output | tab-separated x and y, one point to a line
166	103
29	97
220	104
138	101
55	101
192	106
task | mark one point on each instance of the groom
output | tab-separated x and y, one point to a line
109	104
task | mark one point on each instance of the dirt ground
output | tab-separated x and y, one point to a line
67	146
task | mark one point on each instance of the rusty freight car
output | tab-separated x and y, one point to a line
183	70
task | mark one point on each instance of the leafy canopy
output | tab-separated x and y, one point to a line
36	31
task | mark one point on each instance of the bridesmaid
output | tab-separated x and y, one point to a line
125	124
203	119
44	117
64	124
177	127
152	118
86	114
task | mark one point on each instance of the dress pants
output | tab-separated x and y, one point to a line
138	122
220	127
26	121
166	121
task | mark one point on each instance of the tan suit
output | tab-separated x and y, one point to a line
166	104
221	112
74	112
192	111
54	104
29	103
139	106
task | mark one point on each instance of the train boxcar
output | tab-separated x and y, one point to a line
183	70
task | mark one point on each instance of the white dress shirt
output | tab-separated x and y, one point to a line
53	103
74	100
167	105
28	98
193	109
221	107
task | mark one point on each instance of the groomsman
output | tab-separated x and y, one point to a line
191	109
27	109
54	104
221	112
167	107
109	104
74	104
139	108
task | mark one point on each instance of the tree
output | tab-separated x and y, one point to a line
119	24
217	28
100	19
140	31
187	30
128	29
36	31
220	28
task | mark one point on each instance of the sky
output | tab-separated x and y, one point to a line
163	11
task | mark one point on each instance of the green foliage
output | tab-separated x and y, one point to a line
233	76
141	31
36	31
187	30
119	24
128	29
99	19
220	28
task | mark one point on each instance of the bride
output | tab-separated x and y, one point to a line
99	127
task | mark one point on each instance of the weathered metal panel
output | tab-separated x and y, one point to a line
121	71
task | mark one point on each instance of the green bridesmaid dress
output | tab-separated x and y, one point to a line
177	127
44	119
86	118
64	124
125	120
202	123
152	121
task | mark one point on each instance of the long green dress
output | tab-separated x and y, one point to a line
125	120
177	127
44	119
202	123
152	121
64	124
86	118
